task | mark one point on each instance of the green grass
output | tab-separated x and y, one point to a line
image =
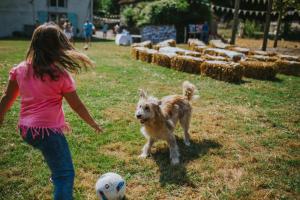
245	138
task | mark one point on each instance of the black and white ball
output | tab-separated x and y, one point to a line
110	186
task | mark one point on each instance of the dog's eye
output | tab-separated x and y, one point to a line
147	108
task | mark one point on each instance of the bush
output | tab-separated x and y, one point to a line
164	12
251	29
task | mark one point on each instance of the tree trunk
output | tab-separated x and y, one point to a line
278	27
267	25
235	21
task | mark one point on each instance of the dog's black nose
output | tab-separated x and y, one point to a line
138	116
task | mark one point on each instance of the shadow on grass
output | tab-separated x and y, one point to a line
276	80
177	174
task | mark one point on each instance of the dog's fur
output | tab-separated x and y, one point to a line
159	118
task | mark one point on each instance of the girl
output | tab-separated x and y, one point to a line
42	81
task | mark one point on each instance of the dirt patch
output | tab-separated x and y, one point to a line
124	111
118	150
230	176
85	180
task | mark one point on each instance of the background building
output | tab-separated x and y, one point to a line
19	17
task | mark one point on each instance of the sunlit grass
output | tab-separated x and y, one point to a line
245	138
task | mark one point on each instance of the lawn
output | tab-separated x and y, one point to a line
245	137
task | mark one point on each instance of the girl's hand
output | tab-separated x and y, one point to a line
97	128
1	121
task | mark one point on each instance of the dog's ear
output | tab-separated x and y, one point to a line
143	94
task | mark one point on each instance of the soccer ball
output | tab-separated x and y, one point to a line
86	47
110	186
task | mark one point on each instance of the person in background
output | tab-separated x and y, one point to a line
68	30
88	28
205	32
117	29
104	30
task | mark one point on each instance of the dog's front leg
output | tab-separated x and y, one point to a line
174	152
147	148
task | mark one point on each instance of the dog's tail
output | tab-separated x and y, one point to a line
189	90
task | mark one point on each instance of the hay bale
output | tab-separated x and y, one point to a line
179	51
166	43
263	53
259	70
147	44
135	52
169	49
211	51
163	59
146	55
194	42
289	58
210	57
199	49
221	70
233	55
239	49
263	58
186	64
219	44
288	67
192	53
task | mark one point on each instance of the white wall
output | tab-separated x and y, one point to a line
13	15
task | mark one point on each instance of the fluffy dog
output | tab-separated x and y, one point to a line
159	118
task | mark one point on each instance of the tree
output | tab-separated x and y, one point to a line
235	21
104	7
267	24
282	6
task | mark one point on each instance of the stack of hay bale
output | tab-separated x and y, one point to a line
259	69
166	43
187	64
289	65
219	61
222	70
194	43
260	65
219	44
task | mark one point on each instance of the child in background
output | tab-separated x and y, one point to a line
88	29
42	81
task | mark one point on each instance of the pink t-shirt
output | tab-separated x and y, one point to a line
41	101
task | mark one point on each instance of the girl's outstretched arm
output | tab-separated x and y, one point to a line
8	98
77	105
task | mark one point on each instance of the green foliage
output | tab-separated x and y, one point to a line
103	7
251	29
128	16
164	12
284	5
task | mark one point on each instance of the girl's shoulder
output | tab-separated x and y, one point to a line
19	69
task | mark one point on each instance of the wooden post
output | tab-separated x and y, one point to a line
278	25
267	25
235	21
185	34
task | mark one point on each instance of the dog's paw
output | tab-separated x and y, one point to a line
175	161
143	156
187	143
